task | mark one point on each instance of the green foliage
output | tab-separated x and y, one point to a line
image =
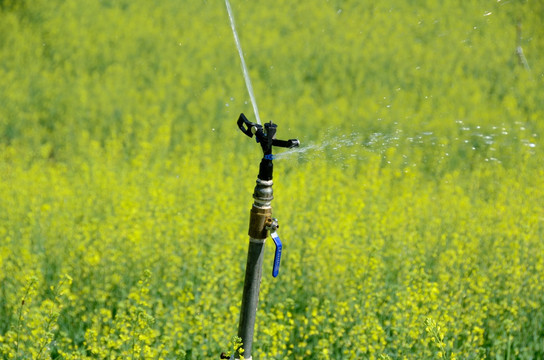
412	216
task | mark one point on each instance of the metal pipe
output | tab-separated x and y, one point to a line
260	217
250	298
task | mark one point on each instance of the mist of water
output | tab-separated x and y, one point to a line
375	142
244	66
490	142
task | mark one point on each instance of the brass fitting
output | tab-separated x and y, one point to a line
259	219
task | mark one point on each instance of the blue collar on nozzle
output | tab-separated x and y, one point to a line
266	137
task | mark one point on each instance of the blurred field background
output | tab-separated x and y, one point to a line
412	219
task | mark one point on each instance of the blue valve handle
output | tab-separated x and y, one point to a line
277	254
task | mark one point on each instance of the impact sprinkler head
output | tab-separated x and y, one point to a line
266	136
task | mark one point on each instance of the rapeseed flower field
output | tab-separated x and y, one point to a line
412	216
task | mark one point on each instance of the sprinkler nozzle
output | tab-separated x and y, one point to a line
291	143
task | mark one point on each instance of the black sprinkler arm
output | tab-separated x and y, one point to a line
267	138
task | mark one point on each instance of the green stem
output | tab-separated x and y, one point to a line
20	315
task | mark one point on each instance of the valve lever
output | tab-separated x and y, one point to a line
277	254
272	226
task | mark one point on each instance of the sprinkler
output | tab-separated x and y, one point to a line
260	223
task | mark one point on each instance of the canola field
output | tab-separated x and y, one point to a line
412	216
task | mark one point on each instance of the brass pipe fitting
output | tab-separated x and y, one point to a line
259	219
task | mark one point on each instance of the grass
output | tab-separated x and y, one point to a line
412	224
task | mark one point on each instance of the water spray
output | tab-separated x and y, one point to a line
243	62
260	223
